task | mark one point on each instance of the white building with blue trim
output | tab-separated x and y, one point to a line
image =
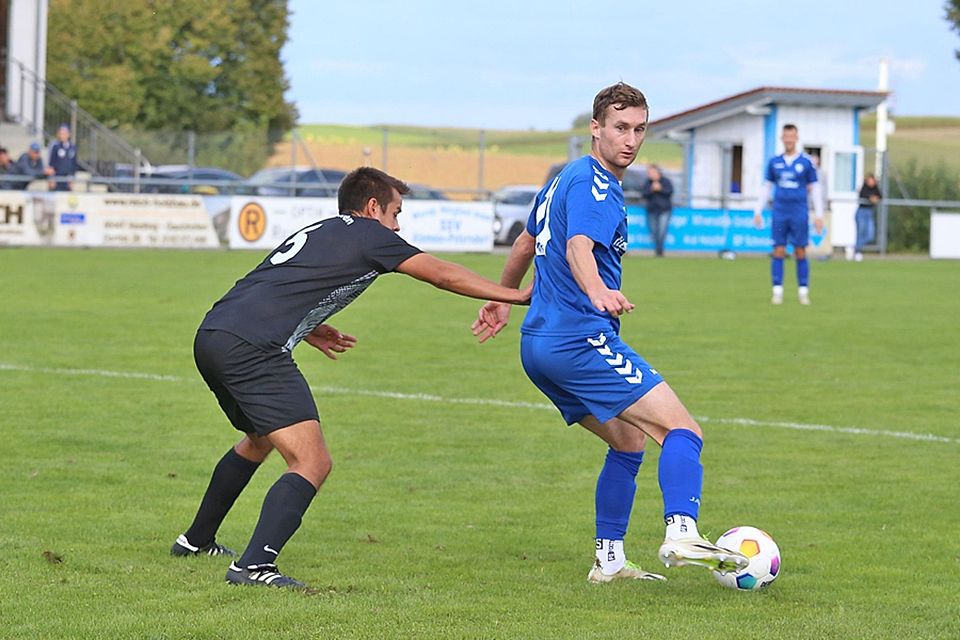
727	144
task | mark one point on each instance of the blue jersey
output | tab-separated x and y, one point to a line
584	199
790	182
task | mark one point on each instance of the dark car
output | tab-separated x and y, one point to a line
423	192
307	182
633	181
199	180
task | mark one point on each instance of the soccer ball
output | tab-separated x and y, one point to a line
764	555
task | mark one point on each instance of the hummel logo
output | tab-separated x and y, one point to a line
267	548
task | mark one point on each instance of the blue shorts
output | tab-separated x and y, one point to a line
596	375
792	228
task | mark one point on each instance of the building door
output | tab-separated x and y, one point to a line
844	175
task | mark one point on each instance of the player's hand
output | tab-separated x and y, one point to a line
492	318
818	225
611	301
758	221
330	341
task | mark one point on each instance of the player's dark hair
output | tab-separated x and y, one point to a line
364	183
619	96
789	127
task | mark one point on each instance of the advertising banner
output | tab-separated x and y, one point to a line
17	224
265	222
442	225
431	225
130	220
715	230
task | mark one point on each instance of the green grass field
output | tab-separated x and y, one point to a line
459	505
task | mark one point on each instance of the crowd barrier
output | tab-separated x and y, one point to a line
249	222
208	222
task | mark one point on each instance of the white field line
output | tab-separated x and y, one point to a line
492	402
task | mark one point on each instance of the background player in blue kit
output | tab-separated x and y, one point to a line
244	346
571	349
791	178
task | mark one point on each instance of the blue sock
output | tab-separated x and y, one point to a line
776	271
616	486
803	272
681	474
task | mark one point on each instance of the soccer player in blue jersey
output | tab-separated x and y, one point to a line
571	348
791	178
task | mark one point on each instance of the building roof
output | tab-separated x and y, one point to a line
756	100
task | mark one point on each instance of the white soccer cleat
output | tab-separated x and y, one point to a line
628	571
701	553
803	295
777	297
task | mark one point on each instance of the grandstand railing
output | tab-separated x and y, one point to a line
100	150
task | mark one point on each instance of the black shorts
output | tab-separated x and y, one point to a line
258	391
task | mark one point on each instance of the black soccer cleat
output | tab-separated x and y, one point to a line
264	575
182	548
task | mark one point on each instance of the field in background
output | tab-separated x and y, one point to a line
448	158
927	140
459	506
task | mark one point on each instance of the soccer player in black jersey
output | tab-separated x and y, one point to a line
244	349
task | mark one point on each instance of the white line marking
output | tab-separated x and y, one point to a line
491	402
93	372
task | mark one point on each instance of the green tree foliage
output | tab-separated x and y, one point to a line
910	226
176	66
582	121
952	7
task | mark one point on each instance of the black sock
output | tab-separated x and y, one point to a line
282	511
229	478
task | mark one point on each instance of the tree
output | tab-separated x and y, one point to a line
174	65
582	121
952	8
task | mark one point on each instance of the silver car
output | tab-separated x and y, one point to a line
511	208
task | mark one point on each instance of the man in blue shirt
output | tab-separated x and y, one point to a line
572	351
63	159
791	178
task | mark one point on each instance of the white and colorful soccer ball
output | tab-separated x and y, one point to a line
764	555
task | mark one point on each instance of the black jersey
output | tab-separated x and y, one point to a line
315	273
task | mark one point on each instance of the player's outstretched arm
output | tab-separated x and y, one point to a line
458	279
329	341
494	316
584	268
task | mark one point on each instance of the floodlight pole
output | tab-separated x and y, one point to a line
882	117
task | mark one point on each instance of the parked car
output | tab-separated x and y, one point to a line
300	181
511	208
423	192
633	181
200	180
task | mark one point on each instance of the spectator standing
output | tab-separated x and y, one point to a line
866	227
30	165
658	192
63	159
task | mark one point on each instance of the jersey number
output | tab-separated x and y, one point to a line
296	242
543	215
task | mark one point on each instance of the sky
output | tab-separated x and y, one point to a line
538	64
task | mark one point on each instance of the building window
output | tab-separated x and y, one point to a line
736	169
